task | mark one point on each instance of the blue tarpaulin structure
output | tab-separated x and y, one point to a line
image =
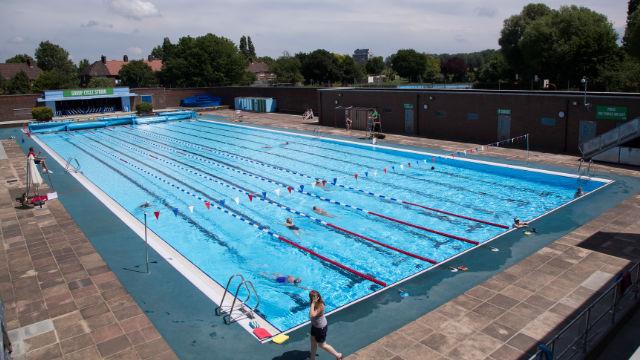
202	100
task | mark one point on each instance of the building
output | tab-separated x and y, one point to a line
87	101
8	71
361	56
264	76
110	68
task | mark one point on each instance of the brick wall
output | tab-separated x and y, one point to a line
17	107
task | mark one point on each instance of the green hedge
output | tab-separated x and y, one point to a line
144	108
42	113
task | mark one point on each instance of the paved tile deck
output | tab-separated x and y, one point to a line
506	316
62	301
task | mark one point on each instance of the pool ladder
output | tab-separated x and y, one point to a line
586	169
69	167
233	313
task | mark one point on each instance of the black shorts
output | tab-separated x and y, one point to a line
320	334
37	161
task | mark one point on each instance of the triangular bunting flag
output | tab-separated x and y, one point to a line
401	167
157	214
237	200
250	197
191	209
207	204
409	164
375	172
313	184
301	188
385	170
355	176
335	181
264	194
393	168
289	188
277	191
175	211
366	174
222	202
324	182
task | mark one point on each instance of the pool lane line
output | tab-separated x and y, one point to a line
223	127
245	191
431	182
369	193
412	190
218	205
239	170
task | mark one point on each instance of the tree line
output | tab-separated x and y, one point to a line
539	47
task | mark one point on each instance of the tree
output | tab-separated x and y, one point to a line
59	70
83	65
320	66
244	50
287	70
432	69
632	34
164	51
350	71
512	32
19	84
207	60
409	64
251	50
493	72
100	82
567	44
137	73
20	58
624	75
454	68
375	65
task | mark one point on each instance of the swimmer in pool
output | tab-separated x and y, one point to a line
283	279
289	224
578	193
322	212
320	183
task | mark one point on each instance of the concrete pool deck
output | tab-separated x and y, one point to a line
61	299
496	319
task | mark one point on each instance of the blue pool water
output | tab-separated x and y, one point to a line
179	165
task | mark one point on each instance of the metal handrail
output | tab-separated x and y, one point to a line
586	314
220	308
229	318
70	166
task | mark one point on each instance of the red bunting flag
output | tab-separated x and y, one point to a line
289	188
250	197
157	214
385	170
355	176
207	204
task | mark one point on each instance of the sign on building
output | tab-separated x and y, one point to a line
87	92
605	112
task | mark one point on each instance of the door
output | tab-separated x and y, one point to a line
408	119
504	127
587	130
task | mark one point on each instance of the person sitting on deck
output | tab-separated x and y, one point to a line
308	114
348	122
291	226
38	160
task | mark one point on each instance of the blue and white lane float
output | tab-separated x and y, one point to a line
334	182
218	204
301	190
264	198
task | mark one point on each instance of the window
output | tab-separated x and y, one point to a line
547	121
146	99
472	116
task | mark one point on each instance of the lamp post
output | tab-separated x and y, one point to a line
146	242
585	82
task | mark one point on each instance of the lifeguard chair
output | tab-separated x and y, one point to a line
374	123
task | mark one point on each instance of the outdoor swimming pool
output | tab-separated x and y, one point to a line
223	192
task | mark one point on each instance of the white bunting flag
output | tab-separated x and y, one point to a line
237	200
191	209
375	172
277	191
401	167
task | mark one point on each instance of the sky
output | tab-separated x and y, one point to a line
91	28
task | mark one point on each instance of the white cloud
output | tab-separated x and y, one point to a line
134	50
134	9
94	23
16	40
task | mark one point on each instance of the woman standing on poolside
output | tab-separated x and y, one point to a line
319	327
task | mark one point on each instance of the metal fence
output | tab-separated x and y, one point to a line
584	332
